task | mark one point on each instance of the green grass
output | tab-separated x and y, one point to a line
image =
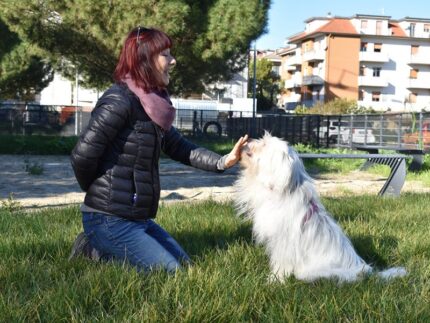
228	280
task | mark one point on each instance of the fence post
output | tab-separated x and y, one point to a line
318	130
420	138
350	131
399	129
365	129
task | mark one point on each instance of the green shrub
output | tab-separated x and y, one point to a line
334	107
36	145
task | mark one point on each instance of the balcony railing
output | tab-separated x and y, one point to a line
312	80
293	61
379	57
419	83
314	55
372	81
419	59
293	82
290	67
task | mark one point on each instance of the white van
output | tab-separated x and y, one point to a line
342	130
334	128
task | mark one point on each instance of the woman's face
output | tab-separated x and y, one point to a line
165	63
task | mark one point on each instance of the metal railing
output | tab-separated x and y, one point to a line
391	130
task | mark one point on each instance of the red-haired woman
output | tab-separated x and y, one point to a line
116	159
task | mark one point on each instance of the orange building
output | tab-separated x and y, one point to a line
371	59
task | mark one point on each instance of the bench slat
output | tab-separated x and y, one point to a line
397	163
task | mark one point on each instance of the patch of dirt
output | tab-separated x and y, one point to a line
57	186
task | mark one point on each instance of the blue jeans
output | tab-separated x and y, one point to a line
143	244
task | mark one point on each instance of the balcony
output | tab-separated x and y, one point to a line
312	80
314	55
290	68
293	82
293	61
419	83
372	81
377	57
419	59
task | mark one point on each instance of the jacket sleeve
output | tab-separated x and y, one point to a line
108	117
182	150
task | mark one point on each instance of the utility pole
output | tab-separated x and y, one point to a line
254	91
76	103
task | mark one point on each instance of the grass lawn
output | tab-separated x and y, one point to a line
228	281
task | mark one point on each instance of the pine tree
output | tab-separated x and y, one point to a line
22	72
211	37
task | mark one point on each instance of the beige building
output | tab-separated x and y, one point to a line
380	62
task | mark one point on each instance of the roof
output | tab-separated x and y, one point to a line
396	29
334	26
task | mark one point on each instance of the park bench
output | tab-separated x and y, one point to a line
416	154
397	163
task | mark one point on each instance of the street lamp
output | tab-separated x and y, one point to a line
254	90
76	103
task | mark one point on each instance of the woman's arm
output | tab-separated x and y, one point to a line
182	150
107	118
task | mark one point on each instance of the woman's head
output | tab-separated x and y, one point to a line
146	58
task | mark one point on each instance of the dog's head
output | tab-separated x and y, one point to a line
273	163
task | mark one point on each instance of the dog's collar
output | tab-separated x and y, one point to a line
313	208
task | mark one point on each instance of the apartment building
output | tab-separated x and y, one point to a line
378	61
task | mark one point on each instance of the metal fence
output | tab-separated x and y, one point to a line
403	130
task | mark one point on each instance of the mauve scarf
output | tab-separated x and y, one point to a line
156	104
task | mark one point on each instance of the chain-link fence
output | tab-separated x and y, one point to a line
401	130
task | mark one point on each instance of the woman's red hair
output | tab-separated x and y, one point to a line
138	58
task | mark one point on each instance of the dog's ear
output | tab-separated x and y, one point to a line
298	173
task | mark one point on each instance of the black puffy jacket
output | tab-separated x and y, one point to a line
116	158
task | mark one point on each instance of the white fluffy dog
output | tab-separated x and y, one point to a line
299	235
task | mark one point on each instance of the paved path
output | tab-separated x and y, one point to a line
57	185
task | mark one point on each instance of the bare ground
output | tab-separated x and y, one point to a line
57	185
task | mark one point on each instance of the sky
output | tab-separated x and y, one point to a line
286	17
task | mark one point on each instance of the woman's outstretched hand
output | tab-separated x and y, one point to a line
234	156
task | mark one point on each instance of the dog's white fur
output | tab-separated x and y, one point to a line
300	237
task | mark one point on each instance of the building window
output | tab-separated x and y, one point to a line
413	74
376	96
412	29
362	70
363	24
414	49
413	97
379	27
363	47
360	95
377	48
308	46
376	72
426	28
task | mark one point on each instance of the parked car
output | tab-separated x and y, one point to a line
335	130
414	137
331	130
359	136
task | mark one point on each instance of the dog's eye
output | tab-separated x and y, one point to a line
249	153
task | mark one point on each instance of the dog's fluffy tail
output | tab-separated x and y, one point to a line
391	273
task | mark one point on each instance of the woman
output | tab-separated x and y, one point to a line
116	159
